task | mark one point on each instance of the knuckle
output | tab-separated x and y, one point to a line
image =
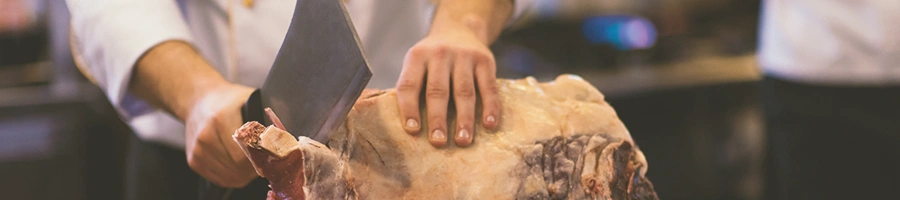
440	51
464	53
194	161
465	91
407	86
203	140
478	53
417	51
482	57
217	119
490	88
437	92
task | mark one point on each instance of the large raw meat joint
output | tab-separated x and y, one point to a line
556	140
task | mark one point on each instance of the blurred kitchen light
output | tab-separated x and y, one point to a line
625	32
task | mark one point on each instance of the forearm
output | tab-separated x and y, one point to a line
172	76
486	18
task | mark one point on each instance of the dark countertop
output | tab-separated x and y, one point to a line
697	72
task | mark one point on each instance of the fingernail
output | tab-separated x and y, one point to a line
411	123
438	135
463	134
490	119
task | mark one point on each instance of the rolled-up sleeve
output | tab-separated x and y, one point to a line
519	8
109	36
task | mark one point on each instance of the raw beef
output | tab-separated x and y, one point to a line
556	140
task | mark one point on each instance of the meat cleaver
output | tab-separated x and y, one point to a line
317	76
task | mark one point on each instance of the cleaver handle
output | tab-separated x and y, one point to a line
253	109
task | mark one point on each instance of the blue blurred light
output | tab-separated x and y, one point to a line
622	31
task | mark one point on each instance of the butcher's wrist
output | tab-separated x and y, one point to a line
483	18
200	89
466	24
173	76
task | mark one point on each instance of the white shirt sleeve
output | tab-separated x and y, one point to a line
519	8
109	36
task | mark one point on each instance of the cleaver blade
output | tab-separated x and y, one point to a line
317	76
319	71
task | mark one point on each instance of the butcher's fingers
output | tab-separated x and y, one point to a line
464	99
409	86
212	161
239	165
486	78
199	159
437	95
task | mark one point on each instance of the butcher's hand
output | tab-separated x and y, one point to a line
453	63
211	152
174	77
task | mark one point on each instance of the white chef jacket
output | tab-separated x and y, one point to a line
240	40
831	42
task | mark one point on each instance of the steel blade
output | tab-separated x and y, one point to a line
319	72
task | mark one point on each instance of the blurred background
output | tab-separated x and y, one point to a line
681	74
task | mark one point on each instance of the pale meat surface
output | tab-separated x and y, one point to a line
556	140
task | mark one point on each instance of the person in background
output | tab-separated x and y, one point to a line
831	95
178	73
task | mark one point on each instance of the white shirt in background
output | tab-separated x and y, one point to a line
831	42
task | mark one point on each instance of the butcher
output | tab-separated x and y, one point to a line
178	72
830	94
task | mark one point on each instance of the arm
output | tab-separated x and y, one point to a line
455	51
483	18
108	37
174	77
140	48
